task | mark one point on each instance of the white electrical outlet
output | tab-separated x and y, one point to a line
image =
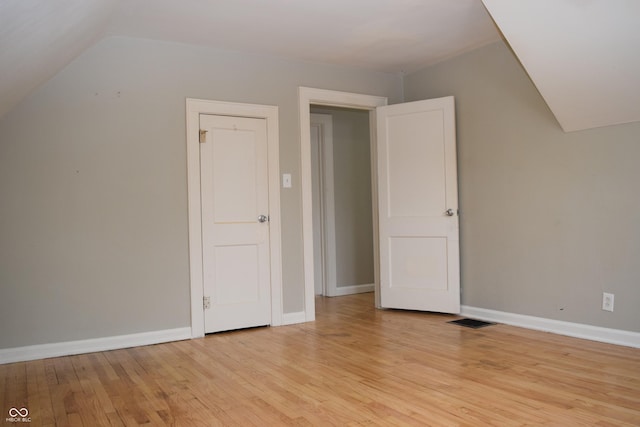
607	301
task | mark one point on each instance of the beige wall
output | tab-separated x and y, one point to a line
352	195
549	220
93	218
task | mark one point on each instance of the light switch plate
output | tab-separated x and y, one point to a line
286	180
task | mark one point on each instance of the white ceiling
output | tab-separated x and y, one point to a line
583	55
39	37
385	35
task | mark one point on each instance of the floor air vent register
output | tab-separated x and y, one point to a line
471	323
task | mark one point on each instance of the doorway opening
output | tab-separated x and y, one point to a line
319	98
342	201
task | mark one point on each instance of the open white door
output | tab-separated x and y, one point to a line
418	206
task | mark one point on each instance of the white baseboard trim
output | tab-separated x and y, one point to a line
43	351
353	289
293	318
577	330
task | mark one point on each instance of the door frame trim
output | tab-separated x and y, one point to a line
311	96
195	107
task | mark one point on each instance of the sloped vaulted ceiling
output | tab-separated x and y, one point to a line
582	55
38	38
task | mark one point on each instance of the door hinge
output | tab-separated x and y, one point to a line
203	136
206	303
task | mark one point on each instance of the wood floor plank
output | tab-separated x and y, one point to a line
353	366
39	393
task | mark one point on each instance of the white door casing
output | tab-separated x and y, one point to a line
418	206
195	108
235	228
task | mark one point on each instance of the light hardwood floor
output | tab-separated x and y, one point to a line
354	366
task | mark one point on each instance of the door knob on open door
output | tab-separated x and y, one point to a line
263	218
449	212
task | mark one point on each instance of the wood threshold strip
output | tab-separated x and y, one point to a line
353	366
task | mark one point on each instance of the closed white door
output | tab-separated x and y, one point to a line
235	226
418	206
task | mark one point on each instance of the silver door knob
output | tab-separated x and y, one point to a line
263	218
449	212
